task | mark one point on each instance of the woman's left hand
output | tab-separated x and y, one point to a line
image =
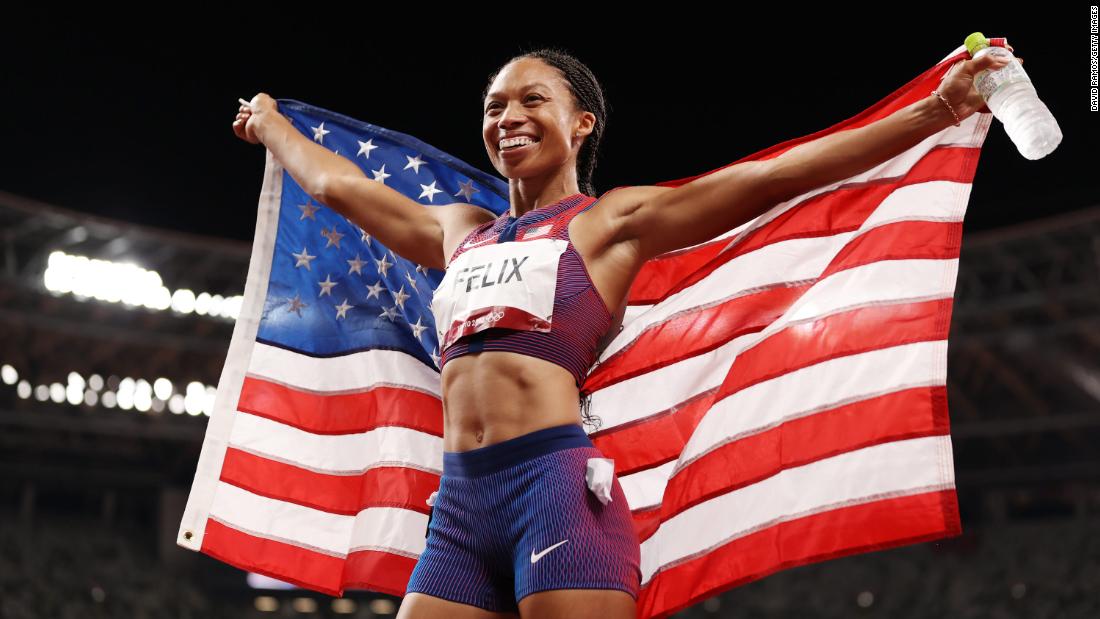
957	85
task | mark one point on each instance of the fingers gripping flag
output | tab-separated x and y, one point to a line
775	398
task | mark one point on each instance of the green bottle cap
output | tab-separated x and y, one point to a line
976	41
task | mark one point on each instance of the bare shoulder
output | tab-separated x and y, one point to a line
462	215
620	202
604	221
640	193
457	220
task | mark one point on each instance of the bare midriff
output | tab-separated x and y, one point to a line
494	395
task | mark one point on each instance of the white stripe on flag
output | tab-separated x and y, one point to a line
879	472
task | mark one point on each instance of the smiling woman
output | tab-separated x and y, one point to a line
551	87
527	302
515	460
563	108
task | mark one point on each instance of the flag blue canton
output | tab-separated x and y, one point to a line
333	288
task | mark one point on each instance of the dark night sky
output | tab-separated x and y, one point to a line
134	123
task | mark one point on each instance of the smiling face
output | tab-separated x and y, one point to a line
531	98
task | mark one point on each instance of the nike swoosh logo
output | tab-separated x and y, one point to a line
535	556
469	245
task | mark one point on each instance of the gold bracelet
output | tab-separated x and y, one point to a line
948	106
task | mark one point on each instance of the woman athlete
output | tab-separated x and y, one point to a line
514	527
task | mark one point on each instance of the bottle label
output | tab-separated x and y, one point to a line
988	82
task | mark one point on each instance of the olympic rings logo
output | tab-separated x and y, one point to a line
492	317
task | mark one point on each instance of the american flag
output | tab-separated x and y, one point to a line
775	398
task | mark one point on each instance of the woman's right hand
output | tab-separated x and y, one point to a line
250	115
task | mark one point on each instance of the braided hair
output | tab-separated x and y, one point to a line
588	96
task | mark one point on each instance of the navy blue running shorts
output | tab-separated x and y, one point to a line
517	517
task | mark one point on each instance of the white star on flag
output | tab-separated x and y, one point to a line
366	148
303	259
414	163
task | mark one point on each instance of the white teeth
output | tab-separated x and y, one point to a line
520	141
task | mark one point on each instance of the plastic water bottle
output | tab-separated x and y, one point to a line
1010	95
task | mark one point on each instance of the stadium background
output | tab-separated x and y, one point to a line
118	148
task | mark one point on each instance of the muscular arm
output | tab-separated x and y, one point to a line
845	154
308	163
711	205
412	230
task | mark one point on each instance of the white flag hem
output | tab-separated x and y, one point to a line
218	429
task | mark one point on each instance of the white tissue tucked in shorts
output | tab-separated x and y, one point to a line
600	475
431	499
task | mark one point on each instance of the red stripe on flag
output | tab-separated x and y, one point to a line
903	240
287	562
347	495
342	413
380	571
844	531
375	570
